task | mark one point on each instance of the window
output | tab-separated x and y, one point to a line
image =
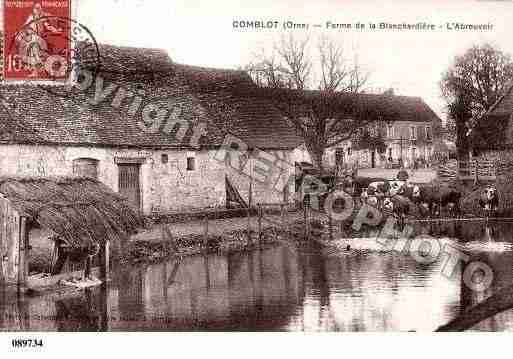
191	163
85	167
349	151
428	133
390	133
413	133
164	158
339	156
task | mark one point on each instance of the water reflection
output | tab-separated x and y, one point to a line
279	288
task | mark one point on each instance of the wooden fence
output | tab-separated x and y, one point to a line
476	170
300	222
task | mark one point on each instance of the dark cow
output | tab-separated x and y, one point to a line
434	199
400	206
489	200
346	184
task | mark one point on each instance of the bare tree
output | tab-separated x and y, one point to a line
334	71
358	78
291	65
298	64
266	71
323	118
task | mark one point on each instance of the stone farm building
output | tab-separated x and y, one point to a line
409	136
158	147
156	132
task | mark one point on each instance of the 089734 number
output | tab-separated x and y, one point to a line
27	343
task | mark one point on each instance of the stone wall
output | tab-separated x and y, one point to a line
164	187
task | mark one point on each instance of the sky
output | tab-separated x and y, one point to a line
200	32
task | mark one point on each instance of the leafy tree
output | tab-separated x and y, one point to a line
471	85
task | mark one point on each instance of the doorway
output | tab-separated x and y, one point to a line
129	185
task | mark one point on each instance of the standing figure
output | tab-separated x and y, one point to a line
31	41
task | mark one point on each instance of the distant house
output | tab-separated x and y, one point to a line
407	128
408	137
152	132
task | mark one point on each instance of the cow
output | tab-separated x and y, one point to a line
489	200
434	198
396	187
400	206
370	197
362	183
347	184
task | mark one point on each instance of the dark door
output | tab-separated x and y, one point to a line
129	183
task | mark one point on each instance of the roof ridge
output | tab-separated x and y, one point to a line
209	68
127	47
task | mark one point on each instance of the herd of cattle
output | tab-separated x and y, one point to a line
404	199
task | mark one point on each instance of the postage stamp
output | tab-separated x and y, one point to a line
37	39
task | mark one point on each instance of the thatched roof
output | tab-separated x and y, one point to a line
80	211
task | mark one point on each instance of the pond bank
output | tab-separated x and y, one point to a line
162	241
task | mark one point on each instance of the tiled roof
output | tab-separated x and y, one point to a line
388	107
227	100
36	115
128	60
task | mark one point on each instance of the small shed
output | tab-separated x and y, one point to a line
79	212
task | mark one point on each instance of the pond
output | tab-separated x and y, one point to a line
282	288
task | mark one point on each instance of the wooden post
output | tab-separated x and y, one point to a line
307	229
476	175
23	253
249	223
104	307
330	224
250	190
260	221
205	233
88	265
283	219
104	260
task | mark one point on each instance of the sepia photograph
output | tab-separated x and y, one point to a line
257	166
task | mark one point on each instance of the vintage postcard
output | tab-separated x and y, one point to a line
270	166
